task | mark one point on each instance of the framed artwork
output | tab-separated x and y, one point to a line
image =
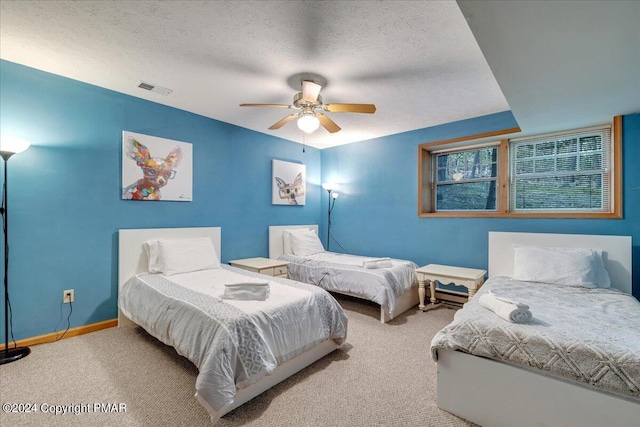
156	168
288	183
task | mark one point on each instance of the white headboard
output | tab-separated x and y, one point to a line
133	260
276	247
617	250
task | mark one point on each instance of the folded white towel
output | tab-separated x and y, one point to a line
377	263
249	283
251	290
510	311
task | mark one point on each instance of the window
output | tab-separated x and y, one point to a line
570	174
466	180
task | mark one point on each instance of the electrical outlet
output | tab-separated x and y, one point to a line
67	296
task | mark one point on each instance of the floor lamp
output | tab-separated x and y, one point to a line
8	147
332	201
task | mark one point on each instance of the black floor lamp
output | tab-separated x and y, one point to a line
332	201
8	147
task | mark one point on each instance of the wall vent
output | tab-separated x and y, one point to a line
153	88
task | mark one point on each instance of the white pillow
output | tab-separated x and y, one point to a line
306	243
561	266
186	255
153	251
286	239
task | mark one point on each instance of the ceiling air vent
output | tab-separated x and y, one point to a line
153	88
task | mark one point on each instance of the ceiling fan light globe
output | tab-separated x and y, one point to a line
308	123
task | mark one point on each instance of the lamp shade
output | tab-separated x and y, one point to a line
328	186
335	195
308	123
11	145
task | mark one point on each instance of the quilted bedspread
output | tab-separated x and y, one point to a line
344	273
586	335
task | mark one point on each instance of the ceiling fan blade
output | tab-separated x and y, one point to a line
310	90
327	123
268	105
350	108
284	121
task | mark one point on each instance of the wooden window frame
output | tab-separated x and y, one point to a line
426	201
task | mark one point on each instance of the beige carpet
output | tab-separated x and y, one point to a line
382	376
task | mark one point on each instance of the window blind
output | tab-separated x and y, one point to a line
562	172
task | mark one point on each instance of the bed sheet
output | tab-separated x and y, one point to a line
345	273
232	343
587	335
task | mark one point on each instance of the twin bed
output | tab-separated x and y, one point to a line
241	347
577	362
393	287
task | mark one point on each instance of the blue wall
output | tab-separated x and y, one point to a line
377	212
64	192
65	207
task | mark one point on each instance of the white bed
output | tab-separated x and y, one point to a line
284	361
354	280
494	393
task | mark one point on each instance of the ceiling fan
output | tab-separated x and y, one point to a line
311	109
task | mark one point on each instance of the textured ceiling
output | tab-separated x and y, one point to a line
560	64
416	60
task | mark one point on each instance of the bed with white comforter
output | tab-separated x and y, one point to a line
245	332
581	334
385	281
345	274
233	343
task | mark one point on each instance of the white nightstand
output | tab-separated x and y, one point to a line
270	267
470	278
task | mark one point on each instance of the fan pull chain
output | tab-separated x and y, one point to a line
303	142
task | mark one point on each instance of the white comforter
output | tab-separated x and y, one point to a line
233	343
586	335
345	273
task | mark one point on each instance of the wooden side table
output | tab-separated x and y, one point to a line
470	278
270	267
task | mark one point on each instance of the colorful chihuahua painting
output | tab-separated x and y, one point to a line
156	171
290	191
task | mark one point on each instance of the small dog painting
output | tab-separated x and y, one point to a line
157	172
288	183
290	191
